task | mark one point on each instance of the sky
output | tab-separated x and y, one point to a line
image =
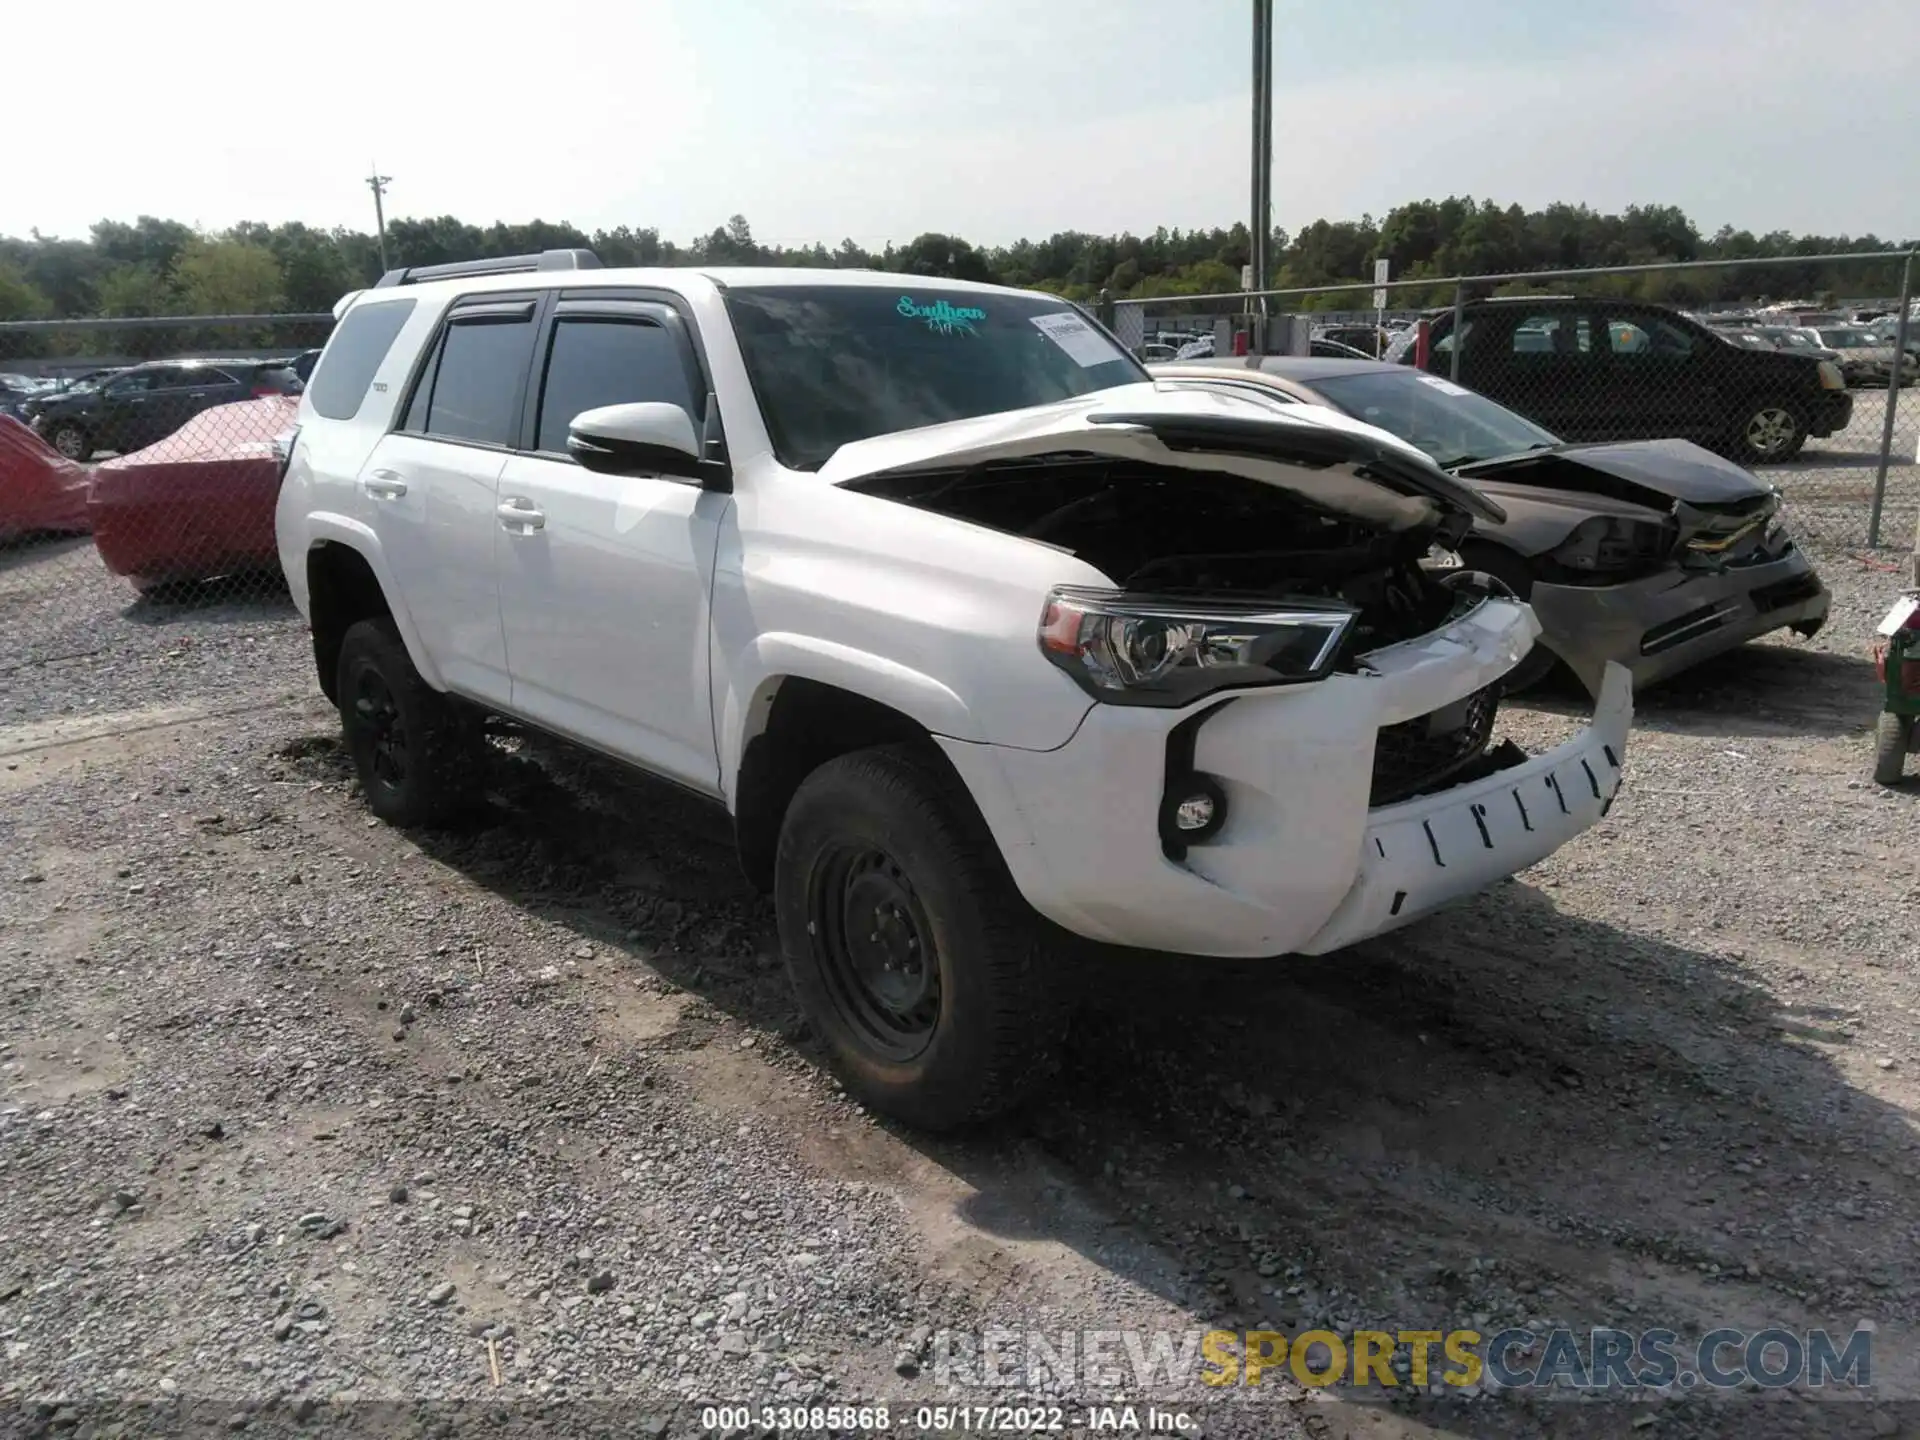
878	120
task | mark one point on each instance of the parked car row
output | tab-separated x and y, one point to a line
1598	369
1865	348
189	492
142	404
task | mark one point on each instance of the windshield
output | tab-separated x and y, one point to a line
832	364
1452	424
1846	339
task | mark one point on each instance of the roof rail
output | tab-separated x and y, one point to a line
498	265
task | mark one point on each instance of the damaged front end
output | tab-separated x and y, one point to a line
1251	558
1219	580
1677	554
1241	552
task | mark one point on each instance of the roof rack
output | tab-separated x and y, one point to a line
498	265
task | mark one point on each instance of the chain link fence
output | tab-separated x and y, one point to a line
138	478
1816	393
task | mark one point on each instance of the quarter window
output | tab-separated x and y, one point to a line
352	356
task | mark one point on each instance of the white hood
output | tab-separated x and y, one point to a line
1121	424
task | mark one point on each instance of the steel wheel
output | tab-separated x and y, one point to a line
876	948
378	714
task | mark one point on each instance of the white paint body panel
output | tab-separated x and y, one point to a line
604	609
656	622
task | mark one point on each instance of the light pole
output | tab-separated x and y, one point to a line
378	184
1260	225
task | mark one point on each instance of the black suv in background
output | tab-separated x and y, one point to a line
1592	369
137	406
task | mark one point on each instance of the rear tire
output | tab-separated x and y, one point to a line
1770	431
912	953
415	750
1517	575
1893	738
72	441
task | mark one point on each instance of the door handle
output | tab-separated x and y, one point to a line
521	515
384	485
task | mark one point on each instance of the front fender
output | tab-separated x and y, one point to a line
775	656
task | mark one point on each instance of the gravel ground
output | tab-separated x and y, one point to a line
295	1108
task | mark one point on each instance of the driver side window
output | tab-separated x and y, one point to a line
603	360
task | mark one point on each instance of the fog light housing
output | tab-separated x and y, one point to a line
1194	809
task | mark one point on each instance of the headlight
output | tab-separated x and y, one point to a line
1830	376
1136	650
1777	530
1610	543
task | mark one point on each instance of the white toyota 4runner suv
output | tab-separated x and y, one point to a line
974	629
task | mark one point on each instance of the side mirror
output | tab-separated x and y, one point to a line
650	438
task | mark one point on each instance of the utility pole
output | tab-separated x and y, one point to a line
1260	224
378	184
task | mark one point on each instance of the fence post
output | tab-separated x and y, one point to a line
1893	402
1459	341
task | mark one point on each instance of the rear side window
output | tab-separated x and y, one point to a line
598	361
477	384
1557	334
353	355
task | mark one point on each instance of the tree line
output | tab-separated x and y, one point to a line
160	267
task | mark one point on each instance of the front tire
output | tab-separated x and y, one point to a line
912	953
414	749
1893	738
1770	431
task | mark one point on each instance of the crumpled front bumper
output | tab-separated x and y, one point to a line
1301	863
1428	851
1666	622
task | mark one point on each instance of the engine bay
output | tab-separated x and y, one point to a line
1167	532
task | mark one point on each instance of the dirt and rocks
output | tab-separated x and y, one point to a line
301	1117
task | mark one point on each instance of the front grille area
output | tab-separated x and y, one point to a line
1421	755
1690	626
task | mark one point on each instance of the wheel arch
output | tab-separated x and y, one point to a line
347	582
794	724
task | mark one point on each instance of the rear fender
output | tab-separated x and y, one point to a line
344	530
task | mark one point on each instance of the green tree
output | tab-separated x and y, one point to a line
134	289
945	256
227	277
19	300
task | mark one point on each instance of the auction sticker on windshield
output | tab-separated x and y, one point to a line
1445	387
1085	345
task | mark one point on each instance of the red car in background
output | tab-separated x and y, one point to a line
40	490
198	504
